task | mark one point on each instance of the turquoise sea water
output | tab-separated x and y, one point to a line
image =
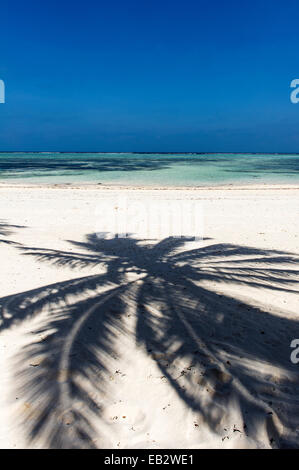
190	169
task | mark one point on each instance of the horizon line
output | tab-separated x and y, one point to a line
148	152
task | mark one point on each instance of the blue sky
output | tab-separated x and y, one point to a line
149	75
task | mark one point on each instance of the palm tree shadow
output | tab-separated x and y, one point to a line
229	353
6	230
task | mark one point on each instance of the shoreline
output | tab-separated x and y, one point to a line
101	186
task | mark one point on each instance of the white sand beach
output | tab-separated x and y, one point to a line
161	343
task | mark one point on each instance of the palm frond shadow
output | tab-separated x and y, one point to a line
6	230
227	346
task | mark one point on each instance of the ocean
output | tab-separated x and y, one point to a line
149	169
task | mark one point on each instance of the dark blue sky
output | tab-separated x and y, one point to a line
128	75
